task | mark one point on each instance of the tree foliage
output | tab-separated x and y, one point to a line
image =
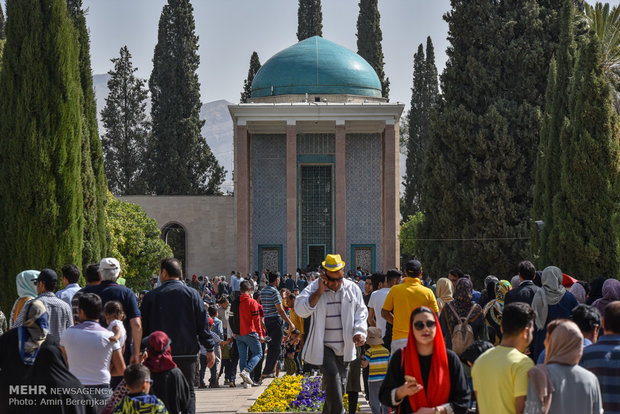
41	120
408	235
369	38
584	206
2	34
480	159
94	183
309	19
247	83
423	98
180	158
135	241
545	245
126	128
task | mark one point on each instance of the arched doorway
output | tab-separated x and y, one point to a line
173	235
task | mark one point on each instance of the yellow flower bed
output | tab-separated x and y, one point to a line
278	395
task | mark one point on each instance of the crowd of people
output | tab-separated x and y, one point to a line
541	342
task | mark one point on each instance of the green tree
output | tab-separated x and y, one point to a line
2	34
126	128
369	39
309	19
480	159
135	241
247	83
408	235
40	136
584	206
423	98
545	245
94	183
180	158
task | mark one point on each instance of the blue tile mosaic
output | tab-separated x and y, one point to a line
363	175
268	193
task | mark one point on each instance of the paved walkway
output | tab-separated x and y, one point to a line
228	400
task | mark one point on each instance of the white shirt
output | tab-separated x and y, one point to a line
89	352
376	302
120	325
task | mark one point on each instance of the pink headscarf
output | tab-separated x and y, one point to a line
611	292
159	354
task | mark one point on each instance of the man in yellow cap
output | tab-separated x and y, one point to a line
338	324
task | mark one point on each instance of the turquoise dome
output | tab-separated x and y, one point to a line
316	66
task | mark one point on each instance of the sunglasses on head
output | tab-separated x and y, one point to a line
419	325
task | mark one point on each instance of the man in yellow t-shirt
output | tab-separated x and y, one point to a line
500	374
402	299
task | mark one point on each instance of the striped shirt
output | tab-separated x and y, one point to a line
603	360
334	337
58	312
269	298
378	357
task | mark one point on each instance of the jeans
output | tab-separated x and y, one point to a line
248	342
203	368
258	369
373	395
274	330
335	372
188	368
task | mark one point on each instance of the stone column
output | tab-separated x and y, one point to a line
390	256
291	197
341	192
242	194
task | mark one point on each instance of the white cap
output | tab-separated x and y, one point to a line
109	263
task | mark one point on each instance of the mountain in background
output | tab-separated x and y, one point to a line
217	130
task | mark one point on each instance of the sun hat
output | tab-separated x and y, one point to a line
333	263
374	336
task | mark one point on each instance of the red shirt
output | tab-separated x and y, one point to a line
249	317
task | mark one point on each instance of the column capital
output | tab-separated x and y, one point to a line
340	122
291	122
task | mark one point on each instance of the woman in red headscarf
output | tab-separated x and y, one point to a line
425	377
169	384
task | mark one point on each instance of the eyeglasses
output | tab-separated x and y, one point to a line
334	279
419	325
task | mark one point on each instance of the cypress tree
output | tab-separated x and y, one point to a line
583	207
2	35
180	158
309	19
480	159
126	128
247	84
423	98
545	246
94	183
369	39
40	136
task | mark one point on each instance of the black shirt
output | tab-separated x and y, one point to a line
523	293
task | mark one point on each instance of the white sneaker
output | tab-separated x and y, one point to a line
245	376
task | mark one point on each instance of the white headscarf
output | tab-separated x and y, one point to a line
551	293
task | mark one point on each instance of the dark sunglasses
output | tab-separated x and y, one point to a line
334	279
419	325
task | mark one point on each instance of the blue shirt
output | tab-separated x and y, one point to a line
269	298
541	357
603	360
67	293
234	283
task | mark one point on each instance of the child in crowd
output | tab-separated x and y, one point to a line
114	315
376	357
291	362
138	400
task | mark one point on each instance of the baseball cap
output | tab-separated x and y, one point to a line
109	263
46	275
413	268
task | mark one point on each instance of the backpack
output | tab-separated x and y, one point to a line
462	334
234	320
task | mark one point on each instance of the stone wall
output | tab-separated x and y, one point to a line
210	228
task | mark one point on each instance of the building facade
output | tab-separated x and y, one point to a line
316	163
